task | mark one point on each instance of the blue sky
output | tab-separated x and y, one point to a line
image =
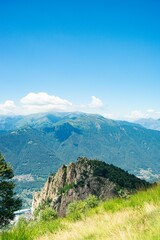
93	56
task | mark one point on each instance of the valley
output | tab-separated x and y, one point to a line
37	145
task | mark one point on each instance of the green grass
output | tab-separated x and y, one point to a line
32	230
137	217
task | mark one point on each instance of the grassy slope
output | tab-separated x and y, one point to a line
137	218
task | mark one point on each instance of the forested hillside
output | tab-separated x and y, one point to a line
38	145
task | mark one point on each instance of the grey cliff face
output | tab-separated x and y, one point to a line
73	182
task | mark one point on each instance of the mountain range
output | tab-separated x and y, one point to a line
149	123
37	145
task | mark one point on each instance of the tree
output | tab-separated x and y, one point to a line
8	202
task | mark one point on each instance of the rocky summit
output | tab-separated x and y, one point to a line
80	179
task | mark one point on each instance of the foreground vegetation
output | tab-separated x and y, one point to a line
9	203
137	217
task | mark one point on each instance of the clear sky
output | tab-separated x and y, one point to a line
94	56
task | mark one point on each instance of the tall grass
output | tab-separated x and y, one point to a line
32	230
151	195
135	218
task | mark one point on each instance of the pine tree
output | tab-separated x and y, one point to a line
8	202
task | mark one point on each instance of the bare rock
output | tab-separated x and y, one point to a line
73	182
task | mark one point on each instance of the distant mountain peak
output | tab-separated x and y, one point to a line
150	123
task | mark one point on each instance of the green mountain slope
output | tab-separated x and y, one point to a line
48	141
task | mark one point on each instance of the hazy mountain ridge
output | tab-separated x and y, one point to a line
79	132
33	120
149	123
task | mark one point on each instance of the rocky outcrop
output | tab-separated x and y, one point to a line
73	182
80	179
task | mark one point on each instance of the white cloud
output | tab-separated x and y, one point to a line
43	98
108	115
95	103
136	114
7	107
150	111
95	106
42	102
153	113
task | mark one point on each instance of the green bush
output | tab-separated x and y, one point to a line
123	193
48	214
92	201
74	216
77	209
41	207
76	206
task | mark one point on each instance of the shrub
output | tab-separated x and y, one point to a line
41	207
76	206
77	209
92	201
48	214
80	183
74	216
123	193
